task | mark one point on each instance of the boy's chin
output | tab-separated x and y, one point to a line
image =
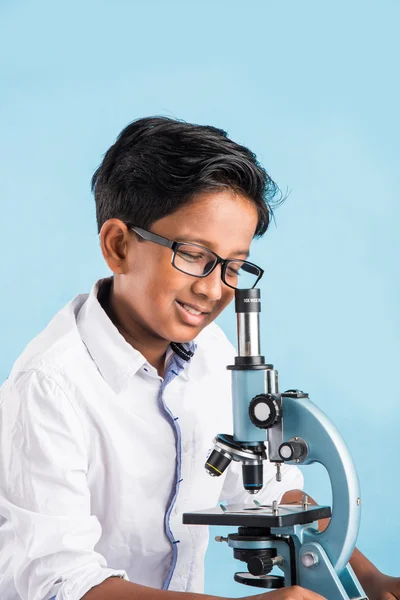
185	335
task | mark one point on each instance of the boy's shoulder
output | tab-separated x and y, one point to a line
56	345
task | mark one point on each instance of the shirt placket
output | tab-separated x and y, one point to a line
176	533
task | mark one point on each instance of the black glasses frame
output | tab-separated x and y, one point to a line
159	239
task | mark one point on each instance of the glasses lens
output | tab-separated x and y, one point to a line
193	260
241	274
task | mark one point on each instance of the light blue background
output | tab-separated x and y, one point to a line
313	88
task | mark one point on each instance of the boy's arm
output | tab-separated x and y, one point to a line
118	589
376	585
44	491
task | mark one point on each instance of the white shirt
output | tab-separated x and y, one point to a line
100	457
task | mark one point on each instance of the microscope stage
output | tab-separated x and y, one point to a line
245	515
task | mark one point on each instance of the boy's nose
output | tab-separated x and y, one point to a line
211	285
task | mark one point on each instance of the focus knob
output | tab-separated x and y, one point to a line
264	411
292	450
260	565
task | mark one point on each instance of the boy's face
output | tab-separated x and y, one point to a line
151	293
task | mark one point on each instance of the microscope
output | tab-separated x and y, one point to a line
283	427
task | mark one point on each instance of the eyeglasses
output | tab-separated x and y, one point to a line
198	261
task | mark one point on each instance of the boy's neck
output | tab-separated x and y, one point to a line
154	352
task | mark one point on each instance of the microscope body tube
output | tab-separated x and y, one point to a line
249	371
252	381
248	330
246	385
248	308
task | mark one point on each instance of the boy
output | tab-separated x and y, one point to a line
107	416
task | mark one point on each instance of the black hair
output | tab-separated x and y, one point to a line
158	164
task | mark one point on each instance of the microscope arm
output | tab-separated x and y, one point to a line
302	418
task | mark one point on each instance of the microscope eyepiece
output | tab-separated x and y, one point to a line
247	301
248	308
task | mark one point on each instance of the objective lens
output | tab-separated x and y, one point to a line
252	477
217	463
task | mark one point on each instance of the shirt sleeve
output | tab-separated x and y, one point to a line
233	491
44	492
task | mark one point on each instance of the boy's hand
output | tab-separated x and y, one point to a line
295	592
383	587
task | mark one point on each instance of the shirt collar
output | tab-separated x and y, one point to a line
116	360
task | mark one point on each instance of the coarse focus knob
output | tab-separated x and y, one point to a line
264	411
260	565
291	450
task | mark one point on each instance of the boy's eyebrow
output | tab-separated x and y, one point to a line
207	245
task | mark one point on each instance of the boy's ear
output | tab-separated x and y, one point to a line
114	244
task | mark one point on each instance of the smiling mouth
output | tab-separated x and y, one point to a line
191	310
